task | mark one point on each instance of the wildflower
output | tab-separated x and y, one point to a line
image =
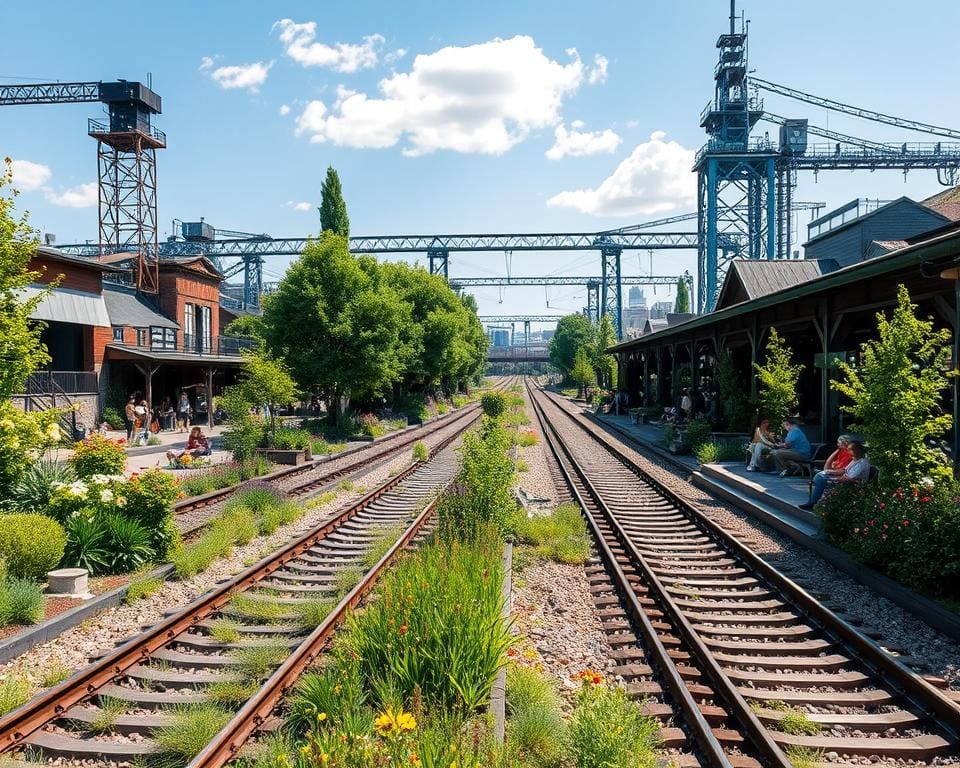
106	495
53	432
906	523
856	530
927	482
883	536
321	716
882	505
403	629
99	479
120	501
305	750
414	760
390	722
511	652
924	499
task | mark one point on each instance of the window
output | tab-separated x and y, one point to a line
141	337
188	321
118	333
207	327
162	338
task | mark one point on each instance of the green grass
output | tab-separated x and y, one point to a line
280	515
351	487
259	609
141	587
324	498
21	602
607	728
311	613
256	662
232	692
386	537
346	579
110	709
527	439
560	536
225	630
802	757
192	729
55	674
236	525
420	452
521	466
535	725
14	692
796	722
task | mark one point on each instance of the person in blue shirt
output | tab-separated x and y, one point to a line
794	449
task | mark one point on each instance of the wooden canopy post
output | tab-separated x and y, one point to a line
148	369
208	385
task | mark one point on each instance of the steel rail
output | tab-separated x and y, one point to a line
703	734
921	695
19	724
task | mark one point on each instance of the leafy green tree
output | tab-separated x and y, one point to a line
336	323
333	209
604	363
582	373
21	352
573	332
896	394
682	303
733	393
777	377
245	326
267	381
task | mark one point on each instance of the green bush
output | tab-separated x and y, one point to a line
97	455
14	692
697	433
560	536
86	543
527	439
420	452
34	489
494	404
607	728
912	533
287	439
445	639
536	730
21	602
113	417
128	543
149	500
708	453
31	544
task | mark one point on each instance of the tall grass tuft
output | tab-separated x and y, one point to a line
191	730
560	536
607	728
536	729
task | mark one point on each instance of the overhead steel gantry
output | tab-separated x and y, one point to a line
439	247
746	184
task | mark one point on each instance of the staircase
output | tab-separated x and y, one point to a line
43	392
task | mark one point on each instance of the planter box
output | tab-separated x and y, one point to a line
277	456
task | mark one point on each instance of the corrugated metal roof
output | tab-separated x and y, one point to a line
125	307
66	305
762	277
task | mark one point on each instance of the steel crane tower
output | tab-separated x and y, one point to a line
126	163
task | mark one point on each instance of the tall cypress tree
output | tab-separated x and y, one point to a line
333	210
682	303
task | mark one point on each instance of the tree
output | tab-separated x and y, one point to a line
582	372
573	332
733	393
604	363
245	326
333	209
777	378
682	304
336	322
267	381
896	394
21	352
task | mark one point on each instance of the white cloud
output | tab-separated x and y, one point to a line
301	206
82	196
284	109
28	176
632	123
482	98
598	72
250	76
300	45
655	178
577	143
394	56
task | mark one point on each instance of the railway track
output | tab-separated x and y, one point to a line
194	513
743	667
274	617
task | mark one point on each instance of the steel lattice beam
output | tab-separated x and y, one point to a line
503	282
49	93
519	318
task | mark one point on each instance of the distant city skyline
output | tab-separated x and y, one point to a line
502	117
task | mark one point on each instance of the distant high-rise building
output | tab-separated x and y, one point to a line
636	297
499	337
660	309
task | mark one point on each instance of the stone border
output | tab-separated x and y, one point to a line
498	694
47	630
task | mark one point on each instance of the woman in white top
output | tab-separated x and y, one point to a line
763	441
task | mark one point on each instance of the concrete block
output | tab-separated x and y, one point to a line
69	582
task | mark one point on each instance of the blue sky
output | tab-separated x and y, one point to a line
486	156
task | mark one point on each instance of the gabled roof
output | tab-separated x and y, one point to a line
946	203
67	305
53	254
883	209
125	307
747	279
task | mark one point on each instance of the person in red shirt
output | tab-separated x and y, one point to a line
197	445
837	461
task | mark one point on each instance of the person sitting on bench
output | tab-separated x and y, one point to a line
763	442
197	445
857	471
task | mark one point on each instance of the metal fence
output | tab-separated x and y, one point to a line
69	382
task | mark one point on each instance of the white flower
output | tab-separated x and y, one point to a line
99	479
116	478
106	495
77	488
33	454
927	482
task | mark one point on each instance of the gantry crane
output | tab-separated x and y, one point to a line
746	183
126	163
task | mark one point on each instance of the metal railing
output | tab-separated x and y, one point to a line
96	127
67	382
192	344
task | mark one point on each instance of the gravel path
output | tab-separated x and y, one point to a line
930	652
73	649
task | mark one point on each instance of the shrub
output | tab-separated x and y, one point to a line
777	379
494	404
128	543
149	500
526	439
446	638
23	438
113	417
34	489
287	439
536	729
369	425
98	455
560	536
607	728
14	692
697	433
911	533
708	453
86	544
257	496
31	544
21	602
420	452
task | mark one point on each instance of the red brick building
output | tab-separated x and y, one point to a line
107	342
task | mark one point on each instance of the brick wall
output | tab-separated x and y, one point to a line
77	277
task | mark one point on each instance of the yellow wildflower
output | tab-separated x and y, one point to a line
390	722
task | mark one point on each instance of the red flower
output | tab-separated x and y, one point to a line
924	499
906	523
882	505
402	629
512	652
